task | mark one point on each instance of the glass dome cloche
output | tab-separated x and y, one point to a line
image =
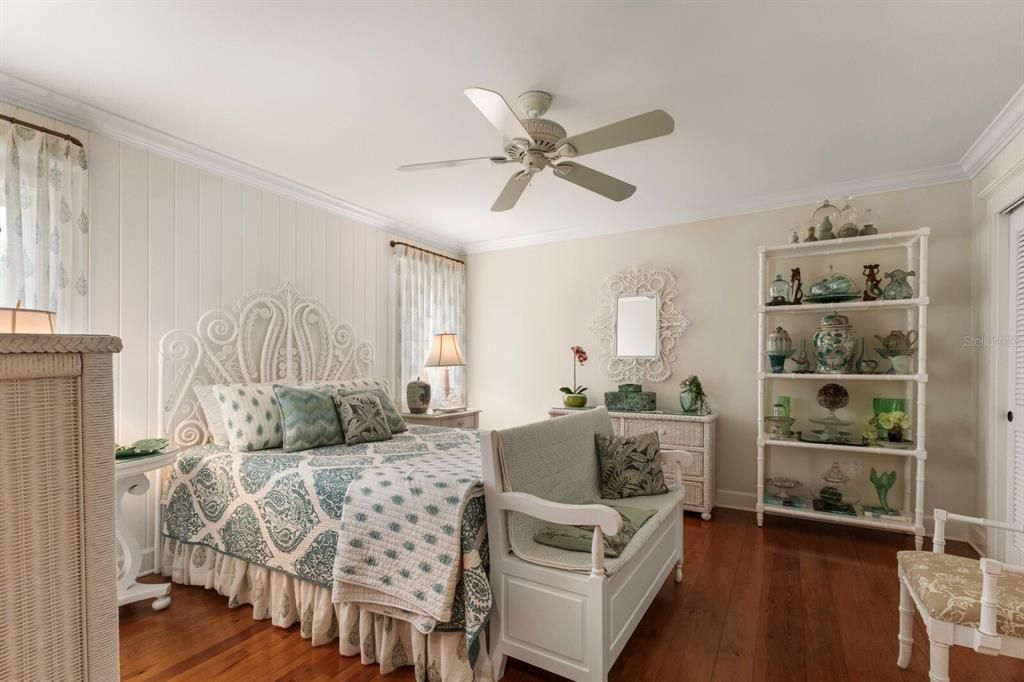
826	219
778	291
834	287
848	220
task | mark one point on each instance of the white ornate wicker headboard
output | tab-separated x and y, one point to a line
269	336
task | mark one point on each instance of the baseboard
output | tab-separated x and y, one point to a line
735	499
977	539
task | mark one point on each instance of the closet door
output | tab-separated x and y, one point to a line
1015	415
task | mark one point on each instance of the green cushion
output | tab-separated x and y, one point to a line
630	466
362	418
580	538
395	421
308	417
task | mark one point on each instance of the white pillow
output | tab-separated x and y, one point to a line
251	414
211	413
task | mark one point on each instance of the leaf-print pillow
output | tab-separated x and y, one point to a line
631	466
362	418
251	415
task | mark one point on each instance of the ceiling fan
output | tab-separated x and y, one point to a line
536	143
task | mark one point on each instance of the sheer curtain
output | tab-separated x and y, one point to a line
44	225
431	300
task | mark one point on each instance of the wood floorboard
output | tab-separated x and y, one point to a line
792	601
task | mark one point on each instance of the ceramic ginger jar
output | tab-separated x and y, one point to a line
834	343
417	396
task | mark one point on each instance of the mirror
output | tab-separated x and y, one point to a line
636	326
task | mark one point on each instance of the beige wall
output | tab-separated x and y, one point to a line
528	305
997	187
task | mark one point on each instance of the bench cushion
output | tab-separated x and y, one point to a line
525	547
949	587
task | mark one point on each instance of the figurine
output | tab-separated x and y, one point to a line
810	234
883	483
802	362
873	285
826	230
796	287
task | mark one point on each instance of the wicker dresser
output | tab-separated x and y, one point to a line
58	582
678	433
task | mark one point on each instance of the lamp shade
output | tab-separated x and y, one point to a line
445	351
27	321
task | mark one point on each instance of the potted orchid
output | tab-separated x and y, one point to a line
575	396
887	426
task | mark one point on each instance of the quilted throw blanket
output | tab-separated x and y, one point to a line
399	551
283	510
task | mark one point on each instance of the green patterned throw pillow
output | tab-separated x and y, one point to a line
251	415
308	417
362	418
631	466
395	421
579	538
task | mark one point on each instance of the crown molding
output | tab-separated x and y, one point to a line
101	122
924	177
997	135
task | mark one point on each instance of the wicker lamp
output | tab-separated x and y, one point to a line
445	352
18	320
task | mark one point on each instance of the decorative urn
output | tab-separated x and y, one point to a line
779	342
834	344
417	396
778	348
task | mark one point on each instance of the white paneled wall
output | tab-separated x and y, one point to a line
171	241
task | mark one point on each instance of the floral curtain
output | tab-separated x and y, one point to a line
431	300
44	225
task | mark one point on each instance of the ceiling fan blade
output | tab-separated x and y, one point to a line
513	190
627	131
497	160
494	107
595	181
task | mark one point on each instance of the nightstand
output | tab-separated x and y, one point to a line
131	479
463	419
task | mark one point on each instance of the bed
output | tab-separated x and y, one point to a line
263	527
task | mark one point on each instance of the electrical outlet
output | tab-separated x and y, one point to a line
856	466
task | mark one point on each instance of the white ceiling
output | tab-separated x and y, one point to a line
768	98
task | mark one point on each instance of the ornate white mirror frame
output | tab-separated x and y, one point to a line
671	324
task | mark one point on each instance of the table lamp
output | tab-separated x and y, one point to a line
445	352
18	320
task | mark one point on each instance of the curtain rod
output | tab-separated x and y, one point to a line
420	248
25	124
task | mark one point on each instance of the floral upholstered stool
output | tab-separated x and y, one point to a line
970	602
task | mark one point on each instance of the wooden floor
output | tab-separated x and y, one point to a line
792	601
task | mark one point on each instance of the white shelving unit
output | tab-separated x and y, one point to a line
915	244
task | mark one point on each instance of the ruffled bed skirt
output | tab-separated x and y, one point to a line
286	600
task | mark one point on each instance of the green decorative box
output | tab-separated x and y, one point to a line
630	398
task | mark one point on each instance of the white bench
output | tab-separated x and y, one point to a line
570	613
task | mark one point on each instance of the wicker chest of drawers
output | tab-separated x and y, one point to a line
679	433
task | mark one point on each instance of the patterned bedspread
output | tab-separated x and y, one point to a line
283	510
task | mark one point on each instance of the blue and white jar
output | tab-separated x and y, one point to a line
834	344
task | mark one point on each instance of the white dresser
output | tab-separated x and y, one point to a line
678	433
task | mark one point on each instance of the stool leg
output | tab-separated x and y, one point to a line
939	671
906	635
